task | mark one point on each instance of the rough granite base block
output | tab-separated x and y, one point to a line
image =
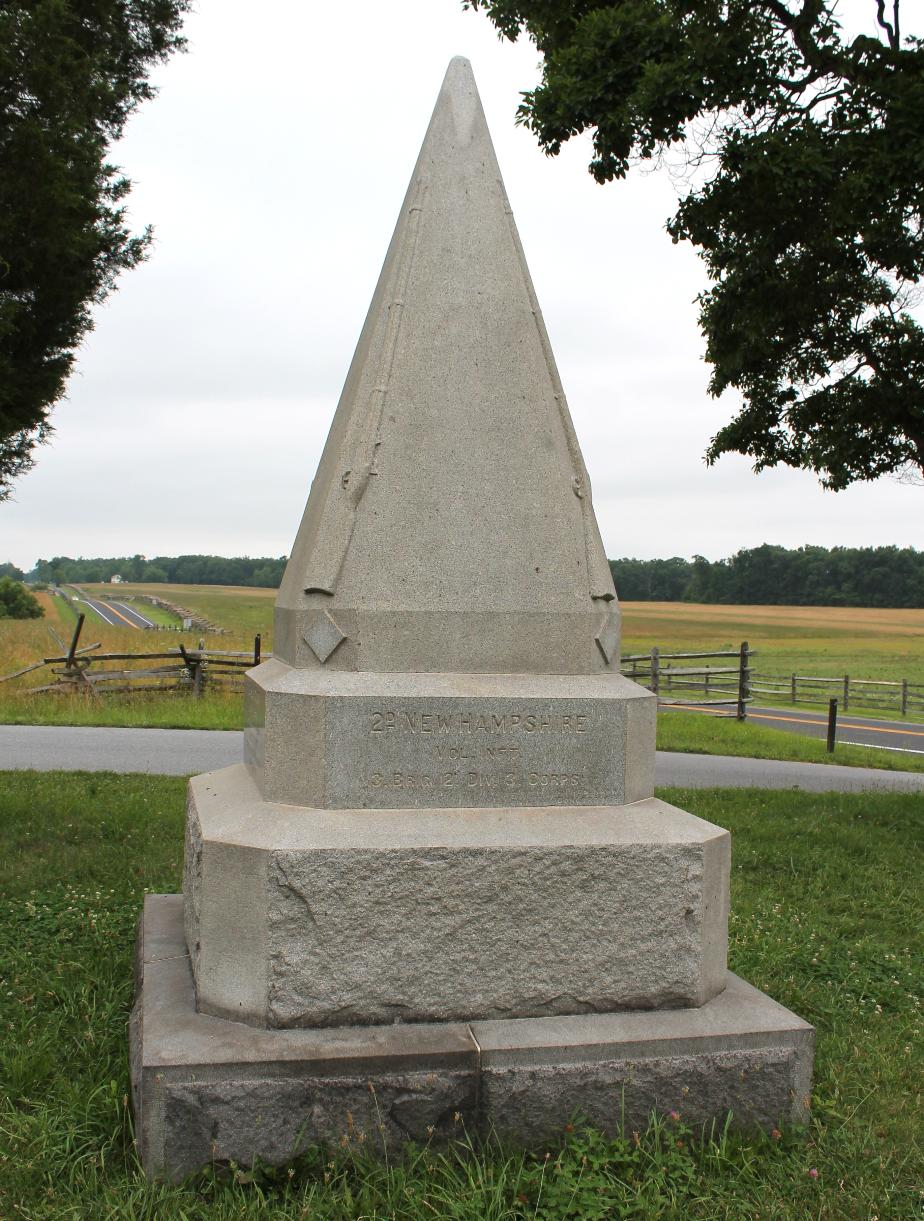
307	917
205	1089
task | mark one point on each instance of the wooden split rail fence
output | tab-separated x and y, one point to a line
736	685
706	683
899	695
180	669
723	686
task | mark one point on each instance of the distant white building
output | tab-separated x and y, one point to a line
115	579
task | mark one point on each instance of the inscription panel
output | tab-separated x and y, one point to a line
393	753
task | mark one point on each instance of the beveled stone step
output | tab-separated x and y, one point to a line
208	1090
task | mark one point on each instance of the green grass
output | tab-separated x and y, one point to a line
825	918
135	596
156	614
170	710
701	734
240	610
67	611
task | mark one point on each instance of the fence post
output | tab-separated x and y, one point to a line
744	685
655	671
706	684
904	697
72	651
194	666
832	725
256	649
792	685
846	692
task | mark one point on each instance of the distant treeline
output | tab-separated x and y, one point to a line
808	576
171	570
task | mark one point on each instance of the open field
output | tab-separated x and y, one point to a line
823	919
823	640
805	639
23	641
809	640
240	609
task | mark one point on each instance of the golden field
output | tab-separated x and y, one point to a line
24	641
824	641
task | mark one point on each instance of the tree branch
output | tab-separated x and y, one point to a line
800	27
890	27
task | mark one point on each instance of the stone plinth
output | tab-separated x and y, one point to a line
209	1090
300	917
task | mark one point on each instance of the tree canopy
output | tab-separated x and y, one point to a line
263	572
71	73
16	602
777	576
804	160
766	575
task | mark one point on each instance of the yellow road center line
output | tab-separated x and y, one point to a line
108	606
801	720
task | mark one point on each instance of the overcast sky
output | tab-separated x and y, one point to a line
272	166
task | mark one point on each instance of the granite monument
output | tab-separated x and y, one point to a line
439	888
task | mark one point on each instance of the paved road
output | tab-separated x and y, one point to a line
116	614
183	752
851	730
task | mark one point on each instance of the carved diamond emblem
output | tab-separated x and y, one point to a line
608	638
323	637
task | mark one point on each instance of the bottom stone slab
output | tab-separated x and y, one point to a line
205	1089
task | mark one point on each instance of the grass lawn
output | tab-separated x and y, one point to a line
170	710
825	918
700	734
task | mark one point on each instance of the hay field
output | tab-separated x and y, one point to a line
806	640
824	641
24	641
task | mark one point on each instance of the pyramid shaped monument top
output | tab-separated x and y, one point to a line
450	526
443	754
